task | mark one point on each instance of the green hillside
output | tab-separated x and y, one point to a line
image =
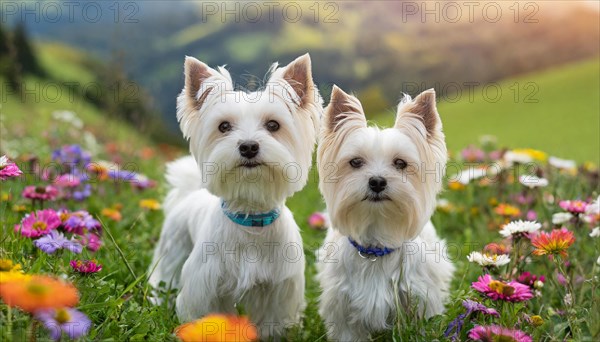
557	111
72	84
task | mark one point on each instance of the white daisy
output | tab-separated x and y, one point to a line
595	232
512	157
560	218
3	161
533	181
488	260
519	227
563	164
470	174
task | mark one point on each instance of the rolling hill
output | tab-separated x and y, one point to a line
556	110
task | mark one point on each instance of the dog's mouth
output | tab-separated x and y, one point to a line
376	198
249	164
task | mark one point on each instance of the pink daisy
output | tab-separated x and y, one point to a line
574	207
67	181
91	241
8	169
497	333
43	193
85	266
39	223
498	290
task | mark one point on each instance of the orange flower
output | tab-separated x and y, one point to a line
149	204
112	214
38	292
217	327
507	210
557	242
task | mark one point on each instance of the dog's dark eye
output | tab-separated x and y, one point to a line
400	164
224	126
356	163
272	126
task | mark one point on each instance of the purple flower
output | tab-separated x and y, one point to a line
80	222
472	307
72	156
8	169
122	175
85	192
71	321
54	241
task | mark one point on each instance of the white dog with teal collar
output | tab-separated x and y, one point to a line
228	240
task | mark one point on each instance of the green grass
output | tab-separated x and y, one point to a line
115	298
557	111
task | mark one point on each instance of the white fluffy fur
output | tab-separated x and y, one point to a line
359	295
214	262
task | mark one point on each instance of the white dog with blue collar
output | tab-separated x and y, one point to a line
228	239
381	252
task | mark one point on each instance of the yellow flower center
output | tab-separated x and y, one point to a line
62	316
40	225
37	289
501	288
503	338
5	265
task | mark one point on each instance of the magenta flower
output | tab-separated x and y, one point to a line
497	333
85	266
67	180
531	215
91	241
498	290
39	223
530	280
80	222
73	322
42	193
318	221
54	241
472	154
8	169
574	207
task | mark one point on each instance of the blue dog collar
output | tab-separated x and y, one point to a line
370	252
251	220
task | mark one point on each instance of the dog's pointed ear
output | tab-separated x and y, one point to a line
196	73
422	107
298	75
343	110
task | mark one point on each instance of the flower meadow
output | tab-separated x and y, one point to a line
79	226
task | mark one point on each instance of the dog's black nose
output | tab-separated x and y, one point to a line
248	149
377	184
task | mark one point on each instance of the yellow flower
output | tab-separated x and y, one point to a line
5	196
537	320
6	265
18	208
149	204
535	154
218	327
456	186
10	271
